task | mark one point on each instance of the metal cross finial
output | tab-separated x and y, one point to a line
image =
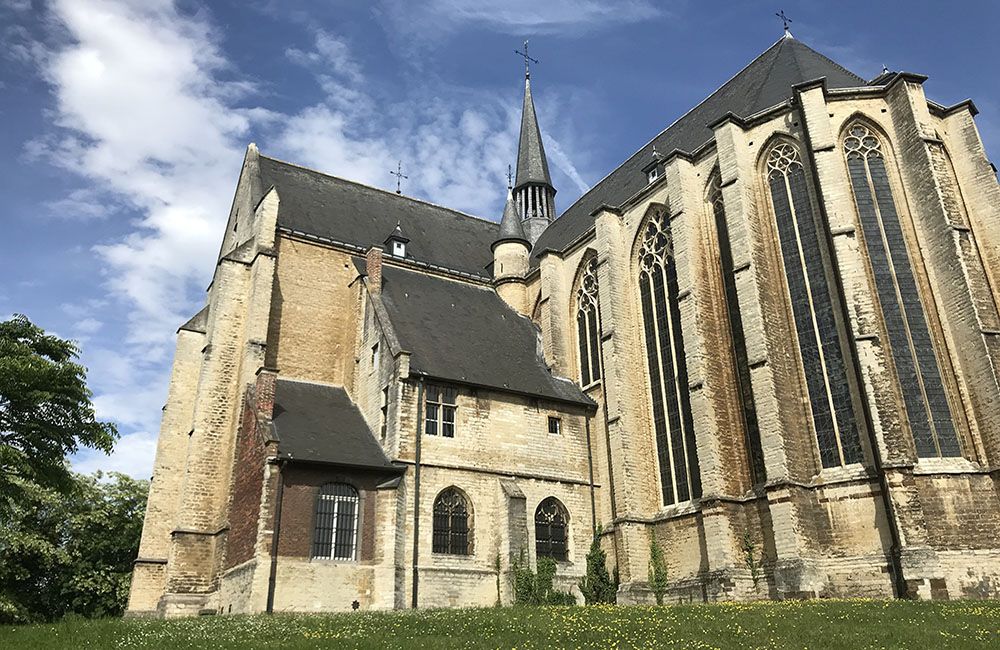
399	176
510	177
527	69
785	20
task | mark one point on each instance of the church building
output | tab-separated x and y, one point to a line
768	340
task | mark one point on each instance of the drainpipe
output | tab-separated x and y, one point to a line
590	467
416	493
895	564
271	580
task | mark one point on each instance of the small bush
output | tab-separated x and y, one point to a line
657	569
532	588
597	586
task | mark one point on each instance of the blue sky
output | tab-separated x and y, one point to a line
125	122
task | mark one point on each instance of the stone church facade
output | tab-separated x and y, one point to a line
775	327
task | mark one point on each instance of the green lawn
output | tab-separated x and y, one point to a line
853	624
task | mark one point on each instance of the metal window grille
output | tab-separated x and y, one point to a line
819	341
336	522
452	531
673	423
551	529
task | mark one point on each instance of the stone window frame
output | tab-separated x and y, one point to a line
452	530
442	401
588	322
669	401
832	408
334	495
871	140
552	516
557	421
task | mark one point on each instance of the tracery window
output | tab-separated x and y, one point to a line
452	529
336	530
905	320
440	403
588	323
748	407
819	340
667	365
551	529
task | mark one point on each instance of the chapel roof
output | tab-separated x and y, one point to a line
464	333
319	423
361	216
765	82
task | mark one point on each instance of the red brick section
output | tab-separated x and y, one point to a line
252	451
373	263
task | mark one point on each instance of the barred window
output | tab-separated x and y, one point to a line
441	406
748	407
336	534
452	526
588	322
812	304
917	367
551	529
668	378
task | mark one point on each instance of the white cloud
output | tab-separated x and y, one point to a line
133	455
88	326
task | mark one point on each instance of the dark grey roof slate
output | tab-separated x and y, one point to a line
765	82
461	332
197	323
510	223
320	424
532	167
360	215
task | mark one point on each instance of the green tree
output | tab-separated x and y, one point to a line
45	410
596	585
657	569
70	552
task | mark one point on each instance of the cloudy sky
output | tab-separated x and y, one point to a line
124	124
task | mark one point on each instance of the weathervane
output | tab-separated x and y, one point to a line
527	69
785	20
399	176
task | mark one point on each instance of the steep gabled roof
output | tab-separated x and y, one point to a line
359	215
765	82
465	333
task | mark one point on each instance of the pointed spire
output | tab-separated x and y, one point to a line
532	166
510	223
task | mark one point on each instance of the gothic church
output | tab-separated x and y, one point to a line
768	339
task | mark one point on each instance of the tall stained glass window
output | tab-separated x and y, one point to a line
668	378
588	323
903	313
812	308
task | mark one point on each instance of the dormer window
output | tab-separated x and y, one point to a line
396	242
399	249
653	174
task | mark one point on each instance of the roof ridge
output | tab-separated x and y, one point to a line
671	125
379	189
832	62
774	60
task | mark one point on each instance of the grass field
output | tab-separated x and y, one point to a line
800	624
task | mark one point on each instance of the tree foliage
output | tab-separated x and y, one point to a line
70	552
45	410
657	569
532	588
597	586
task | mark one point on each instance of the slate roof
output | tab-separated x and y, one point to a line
532	167
510	224
461	332
765	82
197	323
320	424
363	216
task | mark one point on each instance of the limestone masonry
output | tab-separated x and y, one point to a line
769	340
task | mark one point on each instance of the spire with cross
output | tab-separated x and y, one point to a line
527	59
510	178
785	21
399	176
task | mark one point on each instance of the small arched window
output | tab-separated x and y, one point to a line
452	525
920	381
336	533
551	529
819	340
588	323
666	361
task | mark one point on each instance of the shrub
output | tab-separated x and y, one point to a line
597	586
532	588
657	569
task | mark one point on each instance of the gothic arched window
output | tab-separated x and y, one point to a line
666	363
336	530
551	529
812	304
588	323
747	405
452	526
902	311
